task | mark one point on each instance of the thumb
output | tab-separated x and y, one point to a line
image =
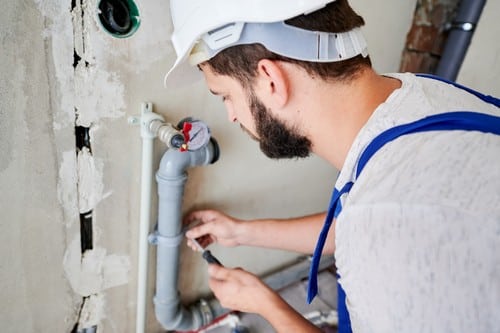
218	272
198	231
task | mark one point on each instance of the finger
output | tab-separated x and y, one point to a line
205	241
192	245
199	231
201	216
217	272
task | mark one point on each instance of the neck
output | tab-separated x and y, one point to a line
343	109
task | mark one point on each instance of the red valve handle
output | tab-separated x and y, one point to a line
186	128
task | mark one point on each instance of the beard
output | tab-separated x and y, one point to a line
276	139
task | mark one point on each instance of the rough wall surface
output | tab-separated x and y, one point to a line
35	294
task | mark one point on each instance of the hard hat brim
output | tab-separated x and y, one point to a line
227	11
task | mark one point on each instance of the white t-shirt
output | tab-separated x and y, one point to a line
418	239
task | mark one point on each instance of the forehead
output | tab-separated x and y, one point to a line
218	83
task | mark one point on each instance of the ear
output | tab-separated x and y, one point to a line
273	84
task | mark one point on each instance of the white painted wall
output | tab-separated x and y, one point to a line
44	277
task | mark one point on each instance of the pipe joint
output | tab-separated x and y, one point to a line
147	117
173	316
167	133
174	163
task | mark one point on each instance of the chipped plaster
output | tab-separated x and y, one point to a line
95	270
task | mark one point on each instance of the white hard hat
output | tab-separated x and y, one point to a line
224	23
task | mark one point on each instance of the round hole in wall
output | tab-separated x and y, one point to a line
119	18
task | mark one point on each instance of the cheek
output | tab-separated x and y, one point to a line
241	113
247	120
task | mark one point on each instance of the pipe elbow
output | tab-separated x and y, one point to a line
174	317
174	163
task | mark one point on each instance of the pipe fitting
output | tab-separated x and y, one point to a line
174	163
173	316
167	133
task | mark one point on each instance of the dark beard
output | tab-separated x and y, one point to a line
276	139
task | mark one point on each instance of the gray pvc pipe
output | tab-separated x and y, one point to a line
171	178
459	38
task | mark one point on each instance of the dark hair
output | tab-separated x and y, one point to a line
241	61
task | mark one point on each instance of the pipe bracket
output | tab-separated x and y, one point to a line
464	26
156	239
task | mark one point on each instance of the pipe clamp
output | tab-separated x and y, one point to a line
464	26
156	239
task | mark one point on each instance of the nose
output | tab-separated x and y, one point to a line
231	116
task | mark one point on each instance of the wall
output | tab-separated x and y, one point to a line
35	294
481	67
426	38
62	74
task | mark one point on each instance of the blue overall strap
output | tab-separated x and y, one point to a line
462	120
468	121
487	98
333	211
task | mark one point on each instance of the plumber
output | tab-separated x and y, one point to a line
414	217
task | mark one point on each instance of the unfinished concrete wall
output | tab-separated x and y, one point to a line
70	163
35	294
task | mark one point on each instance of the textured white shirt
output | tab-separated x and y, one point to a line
418	239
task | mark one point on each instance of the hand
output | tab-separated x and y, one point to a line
215	227
239	290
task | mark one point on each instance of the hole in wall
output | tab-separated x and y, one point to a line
83	138
119	18
76	59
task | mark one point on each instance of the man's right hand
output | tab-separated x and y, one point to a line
214	227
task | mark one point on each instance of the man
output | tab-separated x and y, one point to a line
416	233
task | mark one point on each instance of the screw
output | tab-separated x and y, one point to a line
133	120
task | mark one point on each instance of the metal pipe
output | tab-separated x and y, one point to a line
459	38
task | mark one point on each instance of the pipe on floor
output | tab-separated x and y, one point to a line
459	38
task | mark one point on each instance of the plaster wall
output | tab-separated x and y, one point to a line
46	182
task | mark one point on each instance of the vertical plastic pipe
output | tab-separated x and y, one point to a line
145	216
461	31
171	178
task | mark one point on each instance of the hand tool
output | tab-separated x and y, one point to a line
206	254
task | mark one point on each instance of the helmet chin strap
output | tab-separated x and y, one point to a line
283	39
